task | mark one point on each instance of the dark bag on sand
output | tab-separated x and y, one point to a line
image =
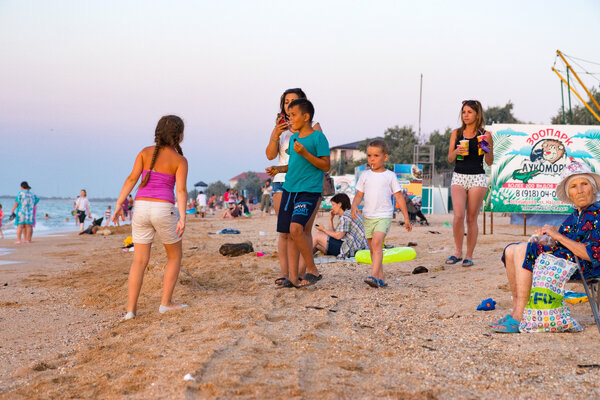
236	249
328	185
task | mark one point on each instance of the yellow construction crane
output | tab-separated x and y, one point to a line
566	81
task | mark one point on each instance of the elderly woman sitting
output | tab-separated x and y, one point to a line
347	238
579	235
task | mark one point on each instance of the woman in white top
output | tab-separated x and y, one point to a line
278	146
82	205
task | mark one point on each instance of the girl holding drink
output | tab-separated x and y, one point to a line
470	145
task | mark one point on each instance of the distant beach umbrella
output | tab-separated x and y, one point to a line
200	184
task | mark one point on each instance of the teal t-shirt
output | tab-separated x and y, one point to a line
302	176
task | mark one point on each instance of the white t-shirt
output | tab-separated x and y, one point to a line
284	157
266	190
201	199
378	188
82	203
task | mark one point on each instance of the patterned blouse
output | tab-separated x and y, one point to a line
583	227
354	239
24	211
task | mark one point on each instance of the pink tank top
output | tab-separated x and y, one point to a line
159	186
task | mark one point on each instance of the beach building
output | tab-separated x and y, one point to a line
346	152
233	181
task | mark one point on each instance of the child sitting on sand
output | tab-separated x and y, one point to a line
309	158
377	186
162	167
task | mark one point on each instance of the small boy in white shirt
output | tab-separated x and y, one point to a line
377	185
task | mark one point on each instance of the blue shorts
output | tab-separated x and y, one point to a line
277	187
296	207
334	246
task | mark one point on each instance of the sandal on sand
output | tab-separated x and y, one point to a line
511	325
288	284
163	309
500	321
467	263
371	281
129	315
452	260
311	279
279	281
382	283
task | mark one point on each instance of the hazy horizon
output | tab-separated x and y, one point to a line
85	83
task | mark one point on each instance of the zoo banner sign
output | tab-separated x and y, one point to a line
528	160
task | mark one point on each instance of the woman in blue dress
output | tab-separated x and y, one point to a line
578	236
24	213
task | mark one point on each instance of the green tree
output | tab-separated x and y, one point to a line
401	144
217	188
501	115
251	184
347	166
441	142
581	115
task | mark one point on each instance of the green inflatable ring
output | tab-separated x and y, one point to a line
395	254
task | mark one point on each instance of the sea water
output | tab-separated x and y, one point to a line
58	211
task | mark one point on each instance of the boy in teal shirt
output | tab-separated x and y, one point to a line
309	159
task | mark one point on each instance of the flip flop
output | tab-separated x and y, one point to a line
452	260
382	283
511	325
309	276
311	279
500	321
288	284
371	281
279	281
467	263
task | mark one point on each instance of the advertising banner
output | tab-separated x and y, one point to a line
410	177
528	160
343	184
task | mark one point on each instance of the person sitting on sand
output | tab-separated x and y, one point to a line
347	238
162	167
578	236
243	206
233	211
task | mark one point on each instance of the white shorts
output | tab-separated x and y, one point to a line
468	181
151	217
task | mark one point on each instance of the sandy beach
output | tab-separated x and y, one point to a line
61	333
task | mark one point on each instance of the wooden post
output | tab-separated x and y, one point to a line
491	222
524	224
484	222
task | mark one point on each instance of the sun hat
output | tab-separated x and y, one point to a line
576	168
25	185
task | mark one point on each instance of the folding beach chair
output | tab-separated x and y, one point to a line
592	290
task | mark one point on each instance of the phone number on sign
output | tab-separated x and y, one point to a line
535	193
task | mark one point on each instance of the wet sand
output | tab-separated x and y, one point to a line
61	334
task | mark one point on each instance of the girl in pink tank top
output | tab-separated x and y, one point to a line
158	212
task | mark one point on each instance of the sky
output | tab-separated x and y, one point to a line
83	83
